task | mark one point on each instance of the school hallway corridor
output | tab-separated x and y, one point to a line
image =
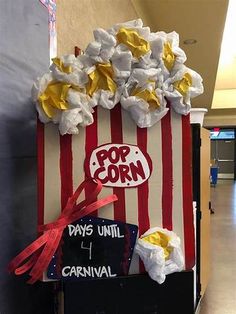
220	296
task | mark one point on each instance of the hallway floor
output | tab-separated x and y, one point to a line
220	296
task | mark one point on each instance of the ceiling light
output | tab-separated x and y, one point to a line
190	41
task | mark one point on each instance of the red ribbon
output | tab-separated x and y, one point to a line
40	252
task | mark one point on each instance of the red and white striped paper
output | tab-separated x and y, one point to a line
164	200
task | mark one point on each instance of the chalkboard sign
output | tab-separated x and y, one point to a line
94	248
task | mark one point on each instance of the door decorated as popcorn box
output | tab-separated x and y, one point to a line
149	169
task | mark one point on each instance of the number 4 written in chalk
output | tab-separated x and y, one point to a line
87	248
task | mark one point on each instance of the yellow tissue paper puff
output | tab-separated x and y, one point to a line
149	96
61	66
168	56
101	78
182	86
160	239
54	97
130	38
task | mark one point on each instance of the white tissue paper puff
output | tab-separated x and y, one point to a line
181	87
106	98
140	112
79	114
133	24
140	109
121	62
38	88
77	76
126	63
108	101
40	85
157	263
82	102
146	61
165	48
102	49
79	110
142	77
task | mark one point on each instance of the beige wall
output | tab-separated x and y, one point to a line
76	20
219	120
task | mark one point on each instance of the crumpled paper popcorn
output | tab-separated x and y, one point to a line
180	88
143	98
69	69
165	48
102	49
160	252
69	111
126	63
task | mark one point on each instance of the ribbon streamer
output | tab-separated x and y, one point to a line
37	256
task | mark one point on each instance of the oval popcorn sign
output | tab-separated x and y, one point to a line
119	165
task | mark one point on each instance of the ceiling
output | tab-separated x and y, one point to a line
204	21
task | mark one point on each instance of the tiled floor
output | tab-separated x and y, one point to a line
220	296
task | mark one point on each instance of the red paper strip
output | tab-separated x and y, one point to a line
66	160
117	137
77	51
143	215
91	142
167	170
187	194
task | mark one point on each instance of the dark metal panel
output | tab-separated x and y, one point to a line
235	154
131	295
196	146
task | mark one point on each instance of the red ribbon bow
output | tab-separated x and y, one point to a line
41	251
